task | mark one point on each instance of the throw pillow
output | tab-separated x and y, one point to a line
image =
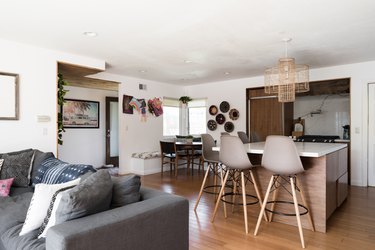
125	190
39	204
18	165
5	186
39	157
54	171
1	163
91	196
50	219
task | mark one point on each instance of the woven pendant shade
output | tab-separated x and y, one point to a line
286	79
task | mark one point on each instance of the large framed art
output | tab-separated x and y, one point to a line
80	114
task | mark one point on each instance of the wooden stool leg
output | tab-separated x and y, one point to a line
219	196
305	204
202	187
274	197
244	201
297	212
215	172
257	192
264	205
234	191
224	203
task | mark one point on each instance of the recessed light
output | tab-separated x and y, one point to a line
188	61
142	71
90	33
226	73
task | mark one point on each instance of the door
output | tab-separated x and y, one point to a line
371	134
111	128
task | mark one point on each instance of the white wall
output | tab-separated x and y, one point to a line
137	136
335	113
361	74
37	69
88	145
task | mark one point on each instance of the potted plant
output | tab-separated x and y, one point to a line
189	138
185	99
61	92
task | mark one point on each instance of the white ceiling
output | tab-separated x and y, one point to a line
217	36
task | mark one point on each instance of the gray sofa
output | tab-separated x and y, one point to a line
158	221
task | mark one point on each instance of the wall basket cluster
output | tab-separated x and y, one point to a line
220	118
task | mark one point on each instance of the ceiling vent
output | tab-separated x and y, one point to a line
142	86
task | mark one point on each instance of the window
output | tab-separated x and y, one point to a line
184	120
171	117
197	117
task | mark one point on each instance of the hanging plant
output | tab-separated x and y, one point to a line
61	92
185	99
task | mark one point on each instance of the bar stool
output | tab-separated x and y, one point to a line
213	165
234	156
281	157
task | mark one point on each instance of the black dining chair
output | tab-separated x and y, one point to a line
243	136
168	154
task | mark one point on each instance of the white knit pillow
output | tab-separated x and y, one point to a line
39	204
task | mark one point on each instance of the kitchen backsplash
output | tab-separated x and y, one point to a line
324	114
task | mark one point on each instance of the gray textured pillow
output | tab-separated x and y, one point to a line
91	196
125	190
17	165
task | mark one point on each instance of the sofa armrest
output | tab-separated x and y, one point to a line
158	222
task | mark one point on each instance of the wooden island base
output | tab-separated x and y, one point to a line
324	184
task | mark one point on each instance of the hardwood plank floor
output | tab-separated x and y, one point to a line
352	226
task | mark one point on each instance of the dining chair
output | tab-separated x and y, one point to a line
168	154
243	136
213	166
183	152
281	157
234	156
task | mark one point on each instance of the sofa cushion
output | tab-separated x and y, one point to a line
54	171
125	190
39	157
5	186
12	240
91	196
17	165
39	204
13	210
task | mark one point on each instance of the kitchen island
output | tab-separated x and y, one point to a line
325	180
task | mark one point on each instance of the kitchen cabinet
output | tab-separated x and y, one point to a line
268	116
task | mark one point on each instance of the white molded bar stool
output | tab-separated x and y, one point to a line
214	166
281	157
234	157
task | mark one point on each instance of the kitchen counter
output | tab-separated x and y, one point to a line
305	149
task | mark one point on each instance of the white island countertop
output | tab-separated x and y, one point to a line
305	149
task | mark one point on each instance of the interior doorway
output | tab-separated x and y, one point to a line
112	133
371	135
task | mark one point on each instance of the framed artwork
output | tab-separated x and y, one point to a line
126	107
80	114
8	96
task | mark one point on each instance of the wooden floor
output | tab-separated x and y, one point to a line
352	226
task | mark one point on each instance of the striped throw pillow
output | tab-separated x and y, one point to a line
54	171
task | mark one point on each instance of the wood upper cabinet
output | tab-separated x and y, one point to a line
267	115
